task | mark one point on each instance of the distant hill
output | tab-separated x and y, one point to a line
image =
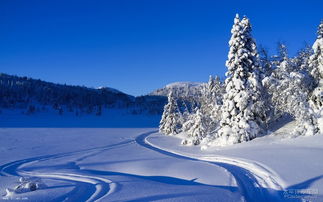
34	95
180	89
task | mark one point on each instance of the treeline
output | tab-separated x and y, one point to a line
31	95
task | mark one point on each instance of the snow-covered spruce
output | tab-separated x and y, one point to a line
316	65
316	60
205	120
197	131
211	102
243	107
170	123
290	85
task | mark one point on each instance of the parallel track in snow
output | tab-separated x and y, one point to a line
255	181
87	187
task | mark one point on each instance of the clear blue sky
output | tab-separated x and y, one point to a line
139	45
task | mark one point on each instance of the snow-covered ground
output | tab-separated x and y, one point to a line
79	164
107	164
291	168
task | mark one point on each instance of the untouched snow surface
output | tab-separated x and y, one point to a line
82	164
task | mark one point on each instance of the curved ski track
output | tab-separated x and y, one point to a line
255	181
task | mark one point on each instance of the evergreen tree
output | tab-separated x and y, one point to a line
265	62
187	118
170	123
316	60
242	102
301	61
316	66
280	58
211	103
204	120
289	86
198	130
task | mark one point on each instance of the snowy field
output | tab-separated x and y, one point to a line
79	164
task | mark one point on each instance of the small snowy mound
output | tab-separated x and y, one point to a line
26	184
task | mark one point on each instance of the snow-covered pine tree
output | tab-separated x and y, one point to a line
205	119
217	90
301	61
289	86
290	95
200	121
316	60
211	103
186	117
265	62
198	129
170	123
279	80
242	103
316	67
188	121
